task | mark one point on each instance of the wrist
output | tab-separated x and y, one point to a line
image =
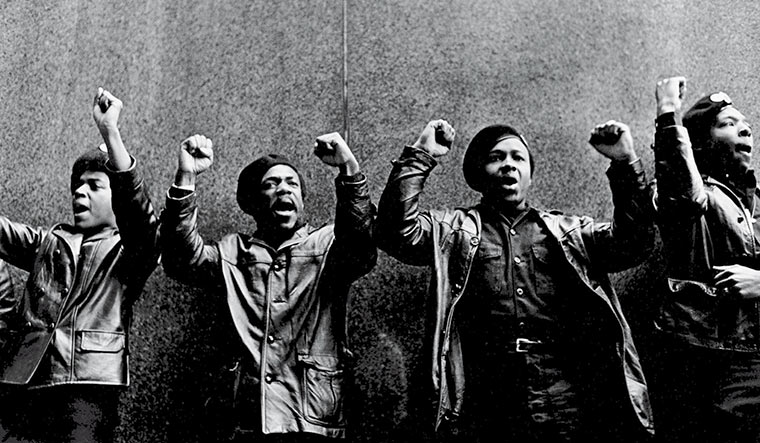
184	178
666	106
350	167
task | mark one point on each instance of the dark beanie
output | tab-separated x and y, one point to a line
92	160
699	118
249	180
480	146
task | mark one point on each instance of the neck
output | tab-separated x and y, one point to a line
509	209
275	236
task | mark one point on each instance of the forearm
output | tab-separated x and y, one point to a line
135	216
19	243
628	240
400	228
354	217
118	156
680	190
185	257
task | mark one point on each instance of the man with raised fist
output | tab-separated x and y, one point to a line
286	286
66	360
530	343
707	199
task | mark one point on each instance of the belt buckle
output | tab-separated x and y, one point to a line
522	345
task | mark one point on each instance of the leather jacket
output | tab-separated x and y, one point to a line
287	305
703	223
72	323
447	240
9	299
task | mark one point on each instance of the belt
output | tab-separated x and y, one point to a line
524	345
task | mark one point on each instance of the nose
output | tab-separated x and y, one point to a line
79	191
745	131
508	165
283	188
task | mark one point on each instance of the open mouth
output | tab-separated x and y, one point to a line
283	207
79	208
744	148
509	180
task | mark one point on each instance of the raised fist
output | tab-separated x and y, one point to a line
196	154
105	111
436	139
669	94
613	140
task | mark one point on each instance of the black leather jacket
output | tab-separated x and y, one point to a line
447	240
74	317
288	306
703	223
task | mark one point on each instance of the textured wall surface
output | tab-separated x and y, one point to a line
265	76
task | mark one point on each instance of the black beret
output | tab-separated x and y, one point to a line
700	117
480	146
249	180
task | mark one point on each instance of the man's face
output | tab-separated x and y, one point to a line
91	202
507	170
732	135
282	202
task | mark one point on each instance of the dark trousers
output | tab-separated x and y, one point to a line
68	413
299	437
706	395
541	397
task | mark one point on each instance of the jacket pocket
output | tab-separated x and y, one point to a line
322	390
100	341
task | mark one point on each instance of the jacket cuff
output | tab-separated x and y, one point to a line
183	203
667	119
623	172
412	156
351	189
127	179
356	178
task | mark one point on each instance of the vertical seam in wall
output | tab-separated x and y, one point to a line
346	129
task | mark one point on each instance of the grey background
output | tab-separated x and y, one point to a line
265	76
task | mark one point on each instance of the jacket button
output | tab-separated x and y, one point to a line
457	287
51	326
517	260
269	378
270	338
65	290
519	291
277	265
28	324
512	232
474	241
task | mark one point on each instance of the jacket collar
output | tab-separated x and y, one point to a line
298	236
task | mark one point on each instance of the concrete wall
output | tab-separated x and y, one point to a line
262	76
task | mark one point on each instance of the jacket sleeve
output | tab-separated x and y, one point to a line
9	301
185	257
19	243
136	220
354	245
629	238
680	190
402	230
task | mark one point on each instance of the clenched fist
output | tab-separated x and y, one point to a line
333	151
436	139
196	154
613	140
